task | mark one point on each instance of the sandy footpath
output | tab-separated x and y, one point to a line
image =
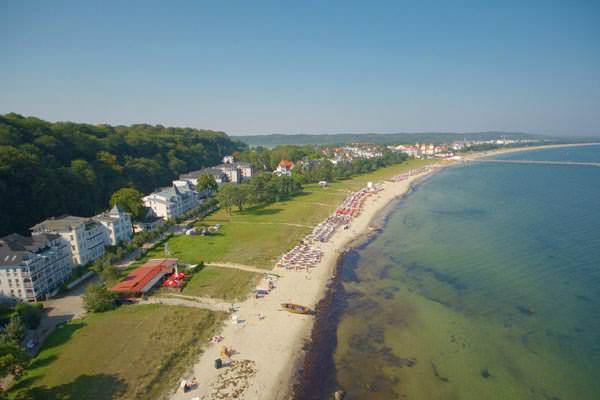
272	346
266	351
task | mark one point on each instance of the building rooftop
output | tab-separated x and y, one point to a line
286	164
113	214
116	210
196	174
60	224
14	247
166	193
140	277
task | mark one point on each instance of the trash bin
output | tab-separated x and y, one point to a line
218	363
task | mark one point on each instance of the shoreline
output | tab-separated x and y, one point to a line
273	349
489	153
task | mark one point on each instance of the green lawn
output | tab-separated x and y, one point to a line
221	283
258	235
244	243
134	352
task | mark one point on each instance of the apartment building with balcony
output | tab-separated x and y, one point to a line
117	224
33	268
171	202
86	236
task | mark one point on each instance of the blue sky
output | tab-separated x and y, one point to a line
306	67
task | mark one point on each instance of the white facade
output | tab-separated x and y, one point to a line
284	168
411	151
363	152
86	236
246	170
117	224
32	268
171	202
233	174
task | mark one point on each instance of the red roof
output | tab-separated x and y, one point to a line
286	164
140	277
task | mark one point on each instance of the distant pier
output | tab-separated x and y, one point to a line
568	163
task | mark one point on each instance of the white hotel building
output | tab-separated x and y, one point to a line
118	225
33	268
86	236
171	202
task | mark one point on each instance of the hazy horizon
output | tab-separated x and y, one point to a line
307	68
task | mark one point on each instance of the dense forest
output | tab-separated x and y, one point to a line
381	138
49	169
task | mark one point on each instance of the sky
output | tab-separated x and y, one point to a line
258	67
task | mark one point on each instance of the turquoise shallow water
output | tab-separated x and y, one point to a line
484	284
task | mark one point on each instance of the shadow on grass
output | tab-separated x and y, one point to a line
42	362
260	210
62	335
303	193
97	387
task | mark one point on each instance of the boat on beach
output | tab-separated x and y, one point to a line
296	308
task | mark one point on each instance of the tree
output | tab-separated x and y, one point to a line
206	181
30	314
98	299
13	359
241	194
225	197
14	331
109	273
232	194
130	200
89	163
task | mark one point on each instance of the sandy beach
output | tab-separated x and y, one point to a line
268	350
491	153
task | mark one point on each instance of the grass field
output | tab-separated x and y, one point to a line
258	235
221	283
134	352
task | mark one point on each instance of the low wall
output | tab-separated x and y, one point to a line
80	279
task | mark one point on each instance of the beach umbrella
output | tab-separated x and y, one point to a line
178	275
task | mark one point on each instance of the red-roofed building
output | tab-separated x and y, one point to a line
144	278
285	168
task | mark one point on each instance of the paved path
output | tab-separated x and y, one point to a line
59	310
241	267
130	258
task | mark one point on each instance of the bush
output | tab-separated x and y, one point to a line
98	299
14	331
109	273
30	314
13	360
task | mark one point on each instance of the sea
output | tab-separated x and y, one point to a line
484	283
